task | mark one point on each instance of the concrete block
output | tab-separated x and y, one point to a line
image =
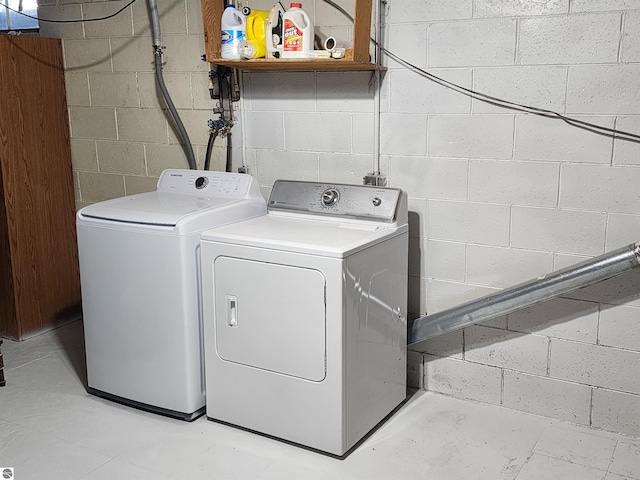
92	122
97	187
159	157
603	89
134	184
445	260
519	183
67	31
274	91
114	90
553	230
466	380
477	136
178	85
626	457
603	5
142	125
273	165
616	412
443	294
363	134
265	130
344	92
118	26
600	188
432	178
620	327
592	365
411	93
403	134
84	155
410	10
548	397
132	54
485	42
126	158
344	168
561	40
469	222
626	152
541	86
504	267
415	370
539	138
622	229
559	318
408	41
500	348
173	18
631	37
77	86
417	295
520	8
327	132
87	55
418	213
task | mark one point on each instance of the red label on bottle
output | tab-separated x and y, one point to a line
292	37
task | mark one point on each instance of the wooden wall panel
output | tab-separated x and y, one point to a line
37	183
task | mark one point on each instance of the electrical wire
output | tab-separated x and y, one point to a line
49	20
483	97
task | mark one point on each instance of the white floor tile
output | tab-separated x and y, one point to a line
626	459
540	467
590	448
119	469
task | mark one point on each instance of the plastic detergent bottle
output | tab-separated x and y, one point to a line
234	30
274	31
298	33
257	33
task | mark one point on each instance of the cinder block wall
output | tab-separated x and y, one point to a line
496	196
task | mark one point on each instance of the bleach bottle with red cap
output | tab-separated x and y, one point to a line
297	32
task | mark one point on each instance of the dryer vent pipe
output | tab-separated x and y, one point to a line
526	294
157	51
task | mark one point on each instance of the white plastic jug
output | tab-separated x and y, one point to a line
234	30
298	33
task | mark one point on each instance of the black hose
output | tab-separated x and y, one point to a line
228	165
207	158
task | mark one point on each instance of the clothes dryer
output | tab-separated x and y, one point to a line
305	314
140	276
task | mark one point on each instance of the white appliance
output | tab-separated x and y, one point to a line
305	314
140	276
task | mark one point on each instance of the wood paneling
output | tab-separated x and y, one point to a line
39	277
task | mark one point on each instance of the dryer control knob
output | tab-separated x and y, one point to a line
330	197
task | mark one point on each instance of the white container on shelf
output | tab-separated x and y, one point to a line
234	30
298	33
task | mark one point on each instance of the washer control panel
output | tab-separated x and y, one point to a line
355	201
197	182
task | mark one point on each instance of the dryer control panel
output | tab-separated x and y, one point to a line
204	183
353	201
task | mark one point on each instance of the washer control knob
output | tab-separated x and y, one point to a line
330	197
201	182
377	201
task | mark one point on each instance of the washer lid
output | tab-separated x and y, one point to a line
303	235
179	193
153	208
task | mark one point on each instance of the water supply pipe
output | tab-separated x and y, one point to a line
526	294
157	51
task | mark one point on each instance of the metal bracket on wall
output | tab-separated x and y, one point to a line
375	179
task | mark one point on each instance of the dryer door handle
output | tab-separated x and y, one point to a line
232	310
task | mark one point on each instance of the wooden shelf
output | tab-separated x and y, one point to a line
357	59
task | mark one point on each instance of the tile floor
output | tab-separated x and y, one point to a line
50	428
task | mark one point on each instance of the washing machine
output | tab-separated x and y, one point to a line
140	276
305	314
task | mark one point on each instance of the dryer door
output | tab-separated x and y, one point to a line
270	316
